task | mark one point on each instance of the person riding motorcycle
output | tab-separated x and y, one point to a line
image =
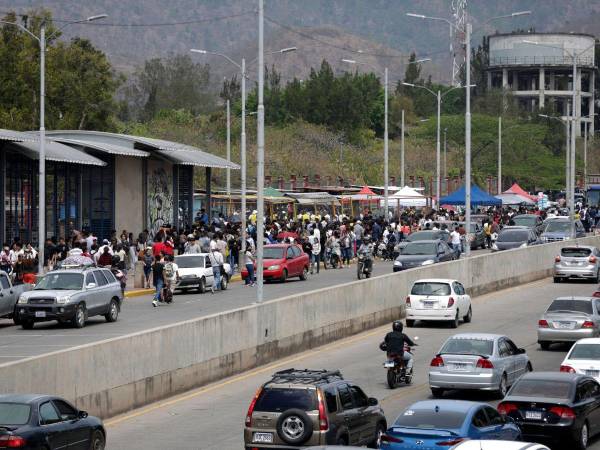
366	250
394	345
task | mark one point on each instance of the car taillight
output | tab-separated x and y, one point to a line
484	363
449	443
450	302
557	259
323	423
563	412
542	323
592	259
596	294
587	324
251	407
387	439
506	408
567	369
12	442
438	361
408	301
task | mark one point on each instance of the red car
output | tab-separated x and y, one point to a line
282	261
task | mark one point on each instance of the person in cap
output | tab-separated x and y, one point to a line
192	246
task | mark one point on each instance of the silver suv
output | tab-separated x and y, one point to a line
71	295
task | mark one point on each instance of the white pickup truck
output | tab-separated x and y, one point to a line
195	272
9	295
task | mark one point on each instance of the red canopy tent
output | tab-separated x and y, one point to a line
516	189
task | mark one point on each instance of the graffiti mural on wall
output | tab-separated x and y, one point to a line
160	196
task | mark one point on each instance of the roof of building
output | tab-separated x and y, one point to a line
548	33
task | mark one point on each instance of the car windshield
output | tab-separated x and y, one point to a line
575	252
528	220
60	281
585	351
430	419
513	236
273	253
277	400
418	248
422	236
188	262
14	413
557	226
430	289
542	389
458	346
576	306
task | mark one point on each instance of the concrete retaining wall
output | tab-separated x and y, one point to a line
116	375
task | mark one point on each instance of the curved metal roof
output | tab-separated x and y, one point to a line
58	152
104	147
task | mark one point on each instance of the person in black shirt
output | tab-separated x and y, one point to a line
157	278
394	344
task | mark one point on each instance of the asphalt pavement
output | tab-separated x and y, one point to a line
137	313
212	417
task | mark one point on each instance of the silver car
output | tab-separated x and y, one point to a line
477	361
569	319
579	261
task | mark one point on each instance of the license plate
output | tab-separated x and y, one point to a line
428	304
40	314
565	325
263	437
389	364
533	415
459	366
593	373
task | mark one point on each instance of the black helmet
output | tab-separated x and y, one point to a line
398	326
367	239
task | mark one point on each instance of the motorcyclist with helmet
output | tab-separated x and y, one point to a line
366	250
394	345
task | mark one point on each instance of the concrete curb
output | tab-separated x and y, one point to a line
140	292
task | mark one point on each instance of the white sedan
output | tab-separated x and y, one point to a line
438	299
498	445
584	358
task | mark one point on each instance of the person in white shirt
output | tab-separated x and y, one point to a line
455	240
216	261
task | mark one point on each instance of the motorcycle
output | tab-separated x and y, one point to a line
364	267
331	258
397	372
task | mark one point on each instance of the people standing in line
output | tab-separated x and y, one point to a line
157	278
216	261
316	250
249	262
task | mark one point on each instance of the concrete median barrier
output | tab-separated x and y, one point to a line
116	375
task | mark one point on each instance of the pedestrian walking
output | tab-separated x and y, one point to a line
249	261
157	279
316	250
216	261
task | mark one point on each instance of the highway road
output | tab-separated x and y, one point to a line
212	417
137	313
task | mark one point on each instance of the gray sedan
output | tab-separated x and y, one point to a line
582	261
569	319
423	253
515	237
477	361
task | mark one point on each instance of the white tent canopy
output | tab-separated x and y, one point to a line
407	196
514	199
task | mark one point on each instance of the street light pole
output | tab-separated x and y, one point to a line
573	148
243	164
260	157
385	152
499	155
402	184
445	154
228	149
585	139
468	138
437	153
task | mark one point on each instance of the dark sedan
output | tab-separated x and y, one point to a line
532	221
33	422
515	237
423	253
424	235
555	406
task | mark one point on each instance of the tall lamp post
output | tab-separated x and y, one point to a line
467	31
439	96
42	40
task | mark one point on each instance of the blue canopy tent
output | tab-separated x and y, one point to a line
478	197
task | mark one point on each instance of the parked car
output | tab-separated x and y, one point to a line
438	299
477	361
424	235
195	272
423	253
71	294
47	422
583	358
569	319
432	424
577	262
304	408
559	229
497	445
515	237
531	221
9	295
283	261
555	407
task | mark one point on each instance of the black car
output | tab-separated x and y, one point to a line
424	235
423	253
33	422
515	237
532	221
555	406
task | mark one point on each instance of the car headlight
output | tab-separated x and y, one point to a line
428	262
22	300
275	267
397	263
523	245
62	300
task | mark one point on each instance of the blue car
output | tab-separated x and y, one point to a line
438	424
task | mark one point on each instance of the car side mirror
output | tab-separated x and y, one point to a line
521	351
372	401
82	414
91	285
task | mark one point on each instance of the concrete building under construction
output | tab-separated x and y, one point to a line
538	70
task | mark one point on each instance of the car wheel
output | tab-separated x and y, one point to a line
503	386
78	320
294	427
410	323
469	316
545	345
304	274
98	441
454	323
113	312
224	282
284	275
202	286
15	317
582	440
437	393
376	443
27	324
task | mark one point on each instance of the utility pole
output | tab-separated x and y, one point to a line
42	162
573	148
445	154
499	155
243	163
228	149
260	158
402	181
386	177
468	136
438	177
585	140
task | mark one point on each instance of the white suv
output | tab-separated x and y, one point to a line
438	299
